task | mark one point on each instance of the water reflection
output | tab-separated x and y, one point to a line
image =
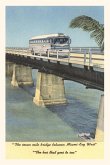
27	122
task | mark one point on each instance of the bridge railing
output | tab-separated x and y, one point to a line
19	50
82	50
86	59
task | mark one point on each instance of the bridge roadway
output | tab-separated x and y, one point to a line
87	69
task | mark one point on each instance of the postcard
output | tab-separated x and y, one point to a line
55	81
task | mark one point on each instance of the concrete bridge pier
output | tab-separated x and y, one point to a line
22	75
49	90
99	136
9	68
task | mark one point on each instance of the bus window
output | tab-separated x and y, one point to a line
60	40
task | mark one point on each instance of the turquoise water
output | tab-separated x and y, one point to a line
26	121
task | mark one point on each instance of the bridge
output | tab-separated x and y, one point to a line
87	69
54	68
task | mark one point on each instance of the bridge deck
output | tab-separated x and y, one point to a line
96	60
87	69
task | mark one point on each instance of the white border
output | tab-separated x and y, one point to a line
106	5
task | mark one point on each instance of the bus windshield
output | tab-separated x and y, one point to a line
60	40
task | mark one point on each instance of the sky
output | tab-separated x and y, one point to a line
24	22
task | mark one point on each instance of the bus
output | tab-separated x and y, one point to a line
50	42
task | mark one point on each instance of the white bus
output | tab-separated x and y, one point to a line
51	42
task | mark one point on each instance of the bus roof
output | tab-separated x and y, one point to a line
49	36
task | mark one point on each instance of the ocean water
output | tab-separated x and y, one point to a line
26	121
